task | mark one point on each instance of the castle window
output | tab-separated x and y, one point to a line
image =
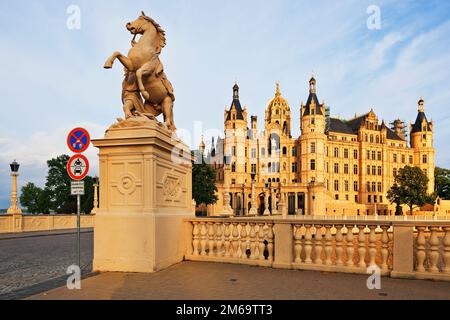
368	155
374	170
379	155
373	155
379	170
377	139
395	172
424	159
312	121
369	199
355	186
328	167
269	167
381	200
336	185
346	197
346	153
346	185
346	168
395	158
233	167
379	186
313	147
253	153
253	167
336	196
368	186
294	151
371	138
375	199
294	167
410	159
355	154
355	169
233	151
336	168
263	152
313	164
368	170
366	137
356	200
336	152
284	151
326	151
403	158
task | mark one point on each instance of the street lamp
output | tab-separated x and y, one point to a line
14	209
95	185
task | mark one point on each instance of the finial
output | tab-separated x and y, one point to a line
421	102
278	92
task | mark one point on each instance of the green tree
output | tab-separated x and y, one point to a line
442	183
410	188
35	199
204	183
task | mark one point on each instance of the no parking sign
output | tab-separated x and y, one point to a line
78	140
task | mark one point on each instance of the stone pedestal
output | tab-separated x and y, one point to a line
145	193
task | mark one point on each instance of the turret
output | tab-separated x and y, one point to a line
422	143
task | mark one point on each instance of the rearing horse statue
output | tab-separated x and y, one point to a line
143	61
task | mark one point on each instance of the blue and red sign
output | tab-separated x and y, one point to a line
78	140
78	167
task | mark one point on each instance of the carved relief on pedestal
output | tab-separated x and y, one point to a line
126	184
171	188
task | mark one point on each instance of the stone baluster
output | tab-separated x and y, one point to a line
421	249
372	245
243	240
195	241
235	242
227	239
318	244
298	243
211	239
339	243
203	238
270	244
328	245
446	244
384	248
219	241
434	250
252	241
362	246
308	244
349	246
261	241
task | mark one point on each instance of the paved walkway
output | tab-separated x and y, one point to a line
37	261
203	281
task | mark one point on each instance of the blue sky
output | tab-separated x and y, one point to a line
52	77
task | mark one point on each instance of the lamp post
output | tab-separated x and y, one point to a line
14	209
95	185
253	210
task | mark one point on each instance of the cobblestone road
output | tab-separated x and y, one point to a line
32	263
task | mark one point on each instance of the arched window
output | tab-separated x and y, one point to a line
371	138
377	139
285	128
284	151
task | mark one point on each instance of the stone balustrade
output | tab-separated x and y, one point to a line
29	223
406	248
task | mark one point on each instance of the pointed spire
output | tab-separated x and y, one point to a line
202	146
235	91
278	92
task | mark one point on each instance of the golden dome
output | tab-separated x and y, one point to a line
277	104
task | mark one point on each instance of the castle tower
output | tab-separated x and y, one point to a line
313	138
236	139
422	143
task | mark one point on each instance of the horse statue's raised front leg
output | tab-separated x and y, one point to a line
153	67
123	59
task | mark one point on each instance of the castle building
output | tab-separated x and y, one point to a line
337	167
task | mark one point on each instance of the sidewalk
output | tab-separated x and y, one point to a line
211	281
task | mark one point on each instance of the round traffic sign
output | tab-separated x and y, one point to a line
78	140
78	167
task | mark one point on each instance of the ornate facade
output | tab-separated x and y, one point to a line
338	167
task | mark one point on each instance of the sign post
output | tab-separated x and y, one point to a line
78	141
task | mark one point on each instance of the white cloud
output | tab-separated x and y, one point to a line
377	58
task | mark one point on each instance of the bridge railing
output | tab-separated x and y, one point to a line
398	247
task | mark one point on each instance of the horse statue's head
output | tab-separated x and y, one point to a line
143	24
